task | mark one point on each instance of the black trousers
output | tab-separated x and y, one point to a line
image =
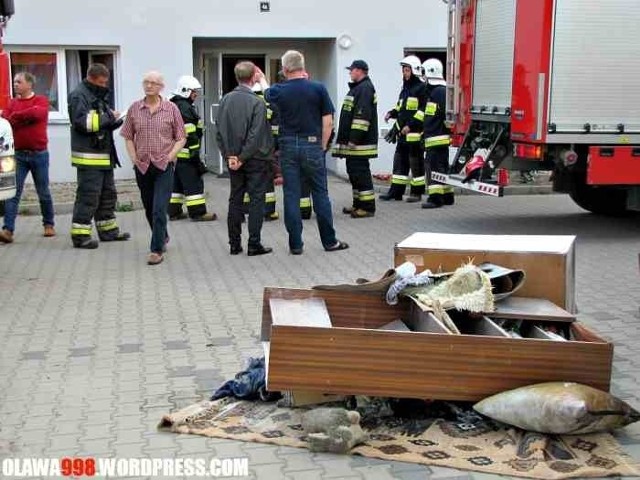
437	160
407	158
188	188
96	199
359	171
252	178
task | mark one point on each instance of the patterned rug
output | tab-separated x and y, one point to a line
482	446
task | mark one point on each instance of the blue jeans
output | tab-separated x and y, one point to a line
155	191
38	164
302	158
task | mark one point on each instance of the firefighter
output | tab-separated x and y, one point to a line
188	186
436	135
273	167
407	131
357	139
94	155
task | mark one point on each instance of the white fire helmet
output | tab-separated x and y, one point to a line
433	71
186	84
413	62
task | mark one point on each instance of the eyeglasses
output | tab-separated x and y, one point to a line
153	84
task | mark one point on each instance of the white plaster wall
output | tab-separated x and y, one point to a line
158	34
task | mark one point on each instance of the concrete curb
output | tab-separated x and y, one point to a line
131	205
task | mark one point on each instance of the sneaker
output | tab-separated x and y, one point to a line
360	213
6	236
338	246
49	231
154	258
207	217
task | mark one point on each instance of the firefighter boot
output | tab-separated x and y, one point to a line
448	198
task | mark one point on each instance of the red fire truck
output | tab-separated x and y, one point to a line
546	85
7	161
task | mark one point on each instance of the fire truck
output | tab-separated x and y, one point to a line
7	160
546	85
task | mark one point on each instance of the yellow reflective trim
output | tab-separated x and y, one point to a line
431	108
358	153
176	201
437	141
305	202
194	147
189	128
112	225
375	98
355	126
418	181
436	189
413	137
412	103
80	231
275	130
246	198
193	203
448	189
93	121
419	116
91	162
366	195
400	179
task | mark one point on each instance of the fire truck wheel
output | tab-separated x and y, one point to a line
600	200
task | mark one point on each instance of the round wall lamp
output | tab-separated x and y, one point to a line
345	41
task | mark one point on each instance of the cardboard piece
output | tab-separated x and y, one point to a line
547	260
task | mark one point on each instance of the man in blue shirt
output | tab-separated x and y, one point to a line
306	122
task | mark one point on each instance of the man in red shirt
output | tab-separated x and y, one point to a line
154	134
28	115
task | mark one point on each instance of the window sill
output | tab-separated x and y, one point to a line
59	121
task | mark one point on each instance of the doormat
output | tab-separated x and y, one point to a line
484	446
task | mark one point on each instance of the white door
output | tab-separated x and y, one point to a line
212	93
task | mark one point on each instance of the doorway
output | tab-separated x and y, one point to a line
218	80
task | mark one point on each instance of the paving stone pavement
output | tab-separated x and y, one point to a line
95	346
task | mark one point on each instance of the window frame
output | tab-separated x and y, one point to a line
62	114
61	76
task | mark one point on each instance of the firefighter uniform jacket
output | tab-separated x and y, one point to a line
358	123
409	111
193	127
92	126
436	134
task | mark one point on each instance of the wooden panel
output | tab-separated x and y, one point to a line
522	308
346	309
548	276
426	365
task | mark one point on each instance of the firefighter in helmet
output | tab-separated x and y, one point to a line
436	135
188	187
407	132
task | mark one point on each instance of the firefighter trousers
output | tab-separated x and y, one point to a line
188	188
359	172
408	157
270	199
437	160
96	198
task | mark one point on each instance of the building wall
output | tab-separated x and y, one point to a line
159	34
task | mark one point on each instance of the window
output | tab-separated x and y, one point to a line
44	67
59	70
